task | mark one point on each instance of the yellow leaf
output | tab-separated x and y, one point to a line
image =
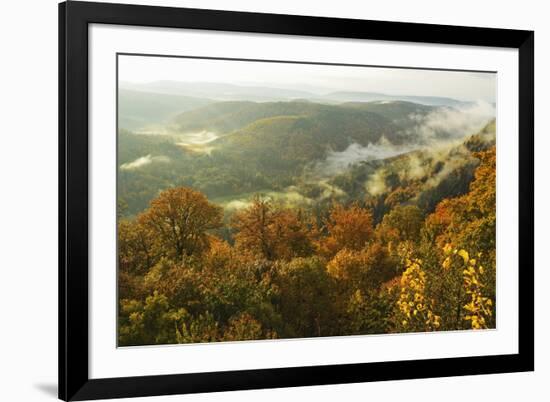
464	255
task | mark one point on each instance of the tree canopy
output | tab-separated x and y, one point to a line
188	274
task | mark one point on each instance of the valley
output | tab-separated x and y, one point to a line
298	152
254	212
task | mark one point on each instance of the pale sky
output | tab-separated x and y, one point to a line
318	79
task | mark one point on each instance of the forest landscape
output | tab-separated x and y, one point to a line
263	200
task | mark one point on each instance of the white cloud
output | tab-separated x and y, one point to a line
456	122
143	161
339	161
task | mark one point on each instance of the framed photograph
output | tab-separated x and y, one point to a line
257	201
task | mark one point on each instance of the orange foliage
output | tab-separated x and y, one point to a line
364	269
178	220
349	228
272	233
178	282
468	220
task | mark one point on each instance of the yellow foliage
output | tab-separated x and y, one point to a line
415	310
480	307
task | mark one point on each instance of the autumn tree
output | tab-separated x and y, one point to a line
180	282
359	276
179	219
294	232
199	328
151	322
271	232
253	228
275	272
400	195
466	222
136	252
243	327
479	309
479	234
365	269
459	288
305	298
414	309
349	228
402	223
370	312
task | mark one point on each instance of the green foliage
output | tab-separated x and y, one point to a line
370	313
402	223
149	323
396	111
305	298
403	244
262	145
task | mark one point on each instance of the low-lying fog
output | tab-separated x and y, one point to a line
439	128
435	132
197	142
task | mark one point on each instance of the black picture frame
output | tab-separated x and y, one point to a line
74	18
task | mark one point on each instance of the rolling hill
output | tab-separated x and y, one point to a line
257	93
343	96
229	149
219	91
225	117
139	110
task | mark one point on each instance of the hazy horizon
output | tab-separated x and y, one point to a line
264	200
315	79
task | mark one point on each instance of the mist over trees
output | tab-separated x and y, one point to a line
248	214
186	276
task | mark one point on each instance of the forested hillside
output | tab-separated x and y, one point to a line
243	220
231	150
147	111
296	272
